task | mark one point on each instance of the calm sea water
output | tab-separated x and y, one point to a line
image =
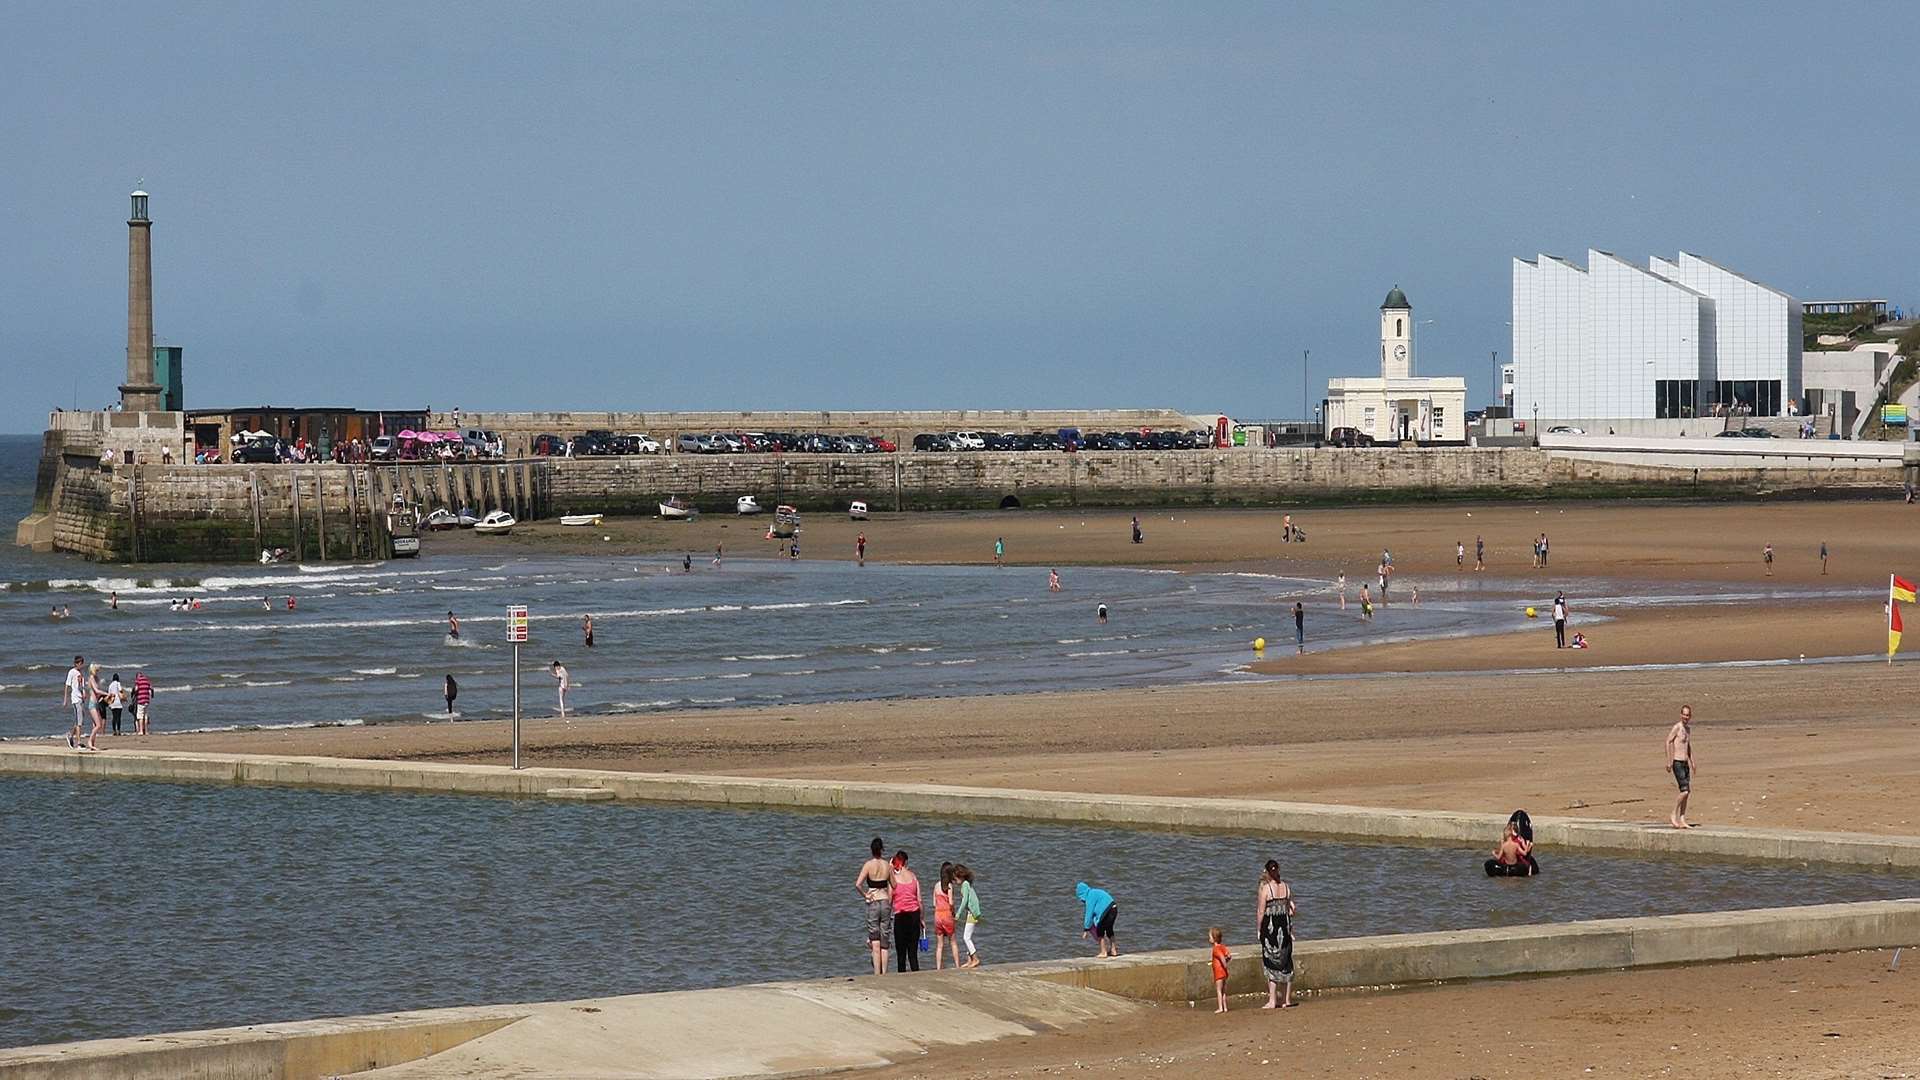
141	907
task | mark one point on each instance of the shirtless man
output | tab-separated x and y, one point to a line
559	673
1680	760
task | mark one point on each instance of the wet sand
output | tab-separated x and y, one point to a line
1654	541
1811	1018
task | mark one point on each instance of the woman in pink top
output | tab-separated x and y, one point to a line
906	915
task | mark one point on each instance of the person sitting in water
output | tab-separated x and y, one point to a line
1579	641
1513	856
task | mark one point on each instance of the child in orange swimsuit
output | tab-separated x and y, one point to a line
1221	955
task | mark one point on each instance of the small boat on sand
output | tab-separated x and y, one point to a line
857	511
676	507
580	519
497	523
786	523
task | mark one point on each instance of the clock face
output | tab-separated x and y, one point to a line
1399	352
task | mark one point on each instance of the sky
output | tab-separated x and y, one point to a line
879	206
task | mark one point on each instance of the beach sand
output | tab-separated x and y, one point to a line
1486	724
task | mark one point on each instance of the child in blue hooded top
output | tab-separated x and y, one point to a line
1100	915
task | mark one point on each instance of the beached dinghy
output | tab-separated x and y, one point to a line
497	523
580	519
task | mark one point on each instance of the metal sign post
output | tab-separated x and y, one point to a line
516	633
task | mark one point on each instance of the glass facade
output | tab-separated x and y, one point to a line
1674	399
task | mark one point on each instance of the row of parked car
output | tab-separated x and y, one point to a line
595	442
777	442
1064	439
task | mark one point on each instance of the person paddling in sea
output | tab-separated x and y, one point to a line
452	690
908	928
453	626
560	676
943	926
586	629
967	911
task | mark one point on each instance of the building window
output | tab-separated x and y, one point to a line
1397	332
1366	424
1439	421
1673	399
1747	397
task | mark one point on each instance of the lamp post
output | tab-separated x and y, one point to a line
1499	397
1536	423
1306	394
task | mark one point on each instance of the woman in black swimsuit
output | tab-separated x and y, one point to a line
875	885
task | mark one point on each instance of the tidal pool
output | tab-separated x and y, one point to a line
137	907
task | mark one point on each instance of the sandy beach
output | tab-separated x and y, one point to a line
1484	723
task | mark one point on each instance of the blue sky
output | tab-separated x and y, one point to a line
658	206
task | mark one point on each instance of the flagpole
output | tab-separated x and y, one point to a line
1890	577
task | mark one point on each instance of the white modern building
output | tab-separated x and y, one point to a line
1399	406
1681	338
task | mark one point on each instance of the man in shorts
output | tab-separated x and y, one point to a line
1680	760
74	694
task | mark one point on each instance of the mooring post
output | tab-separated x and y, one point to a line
293	484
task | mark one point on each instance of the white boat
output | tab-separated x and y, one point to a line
467	518
497	523
857	511
747	504
580	519
786	523
676	507
442	519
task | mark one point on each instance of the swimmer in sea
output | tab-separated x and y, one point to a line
586	629
292	603
453	626
686	562
1053	581
266	604
1100	613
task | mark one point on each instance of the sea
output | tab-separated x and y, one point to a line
368	642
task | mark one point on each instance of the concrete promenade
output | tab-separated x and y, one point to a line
1238	815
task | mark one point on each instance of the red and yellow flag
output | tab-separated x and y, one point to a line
1893	630
1902	589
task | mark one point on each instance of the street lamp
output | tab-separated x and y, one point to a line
1306	394
1536	423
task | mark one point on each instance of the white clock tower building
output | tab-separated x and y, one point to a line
1399	406
1396	336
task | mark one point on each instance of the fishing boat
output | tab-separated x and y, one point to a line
676	507
403	532
580	519
857	511
786	523
496	523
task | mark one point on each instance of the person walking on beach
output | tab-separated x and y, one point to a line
1343	590
453	627
451	690
1137	537
1299	626
74	696
719	552
1221	955
1286	528
875	885
1386	572
1680	760
1098	917
566	683
586	629
905	894
1459	556
1479	553
116	700
967	910
1053	581
1543	550
1536	551
1366	602
999	550
943	928
142	701
860	549
1766	556
1273	914
1560	620
686	562
1823	558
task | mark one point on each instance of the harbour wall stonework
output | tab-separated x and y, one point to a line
113	511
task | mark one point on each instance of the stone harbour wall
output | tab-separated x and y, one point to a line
223	513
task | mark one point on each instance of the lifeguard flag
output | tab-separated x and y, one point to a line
1902	589
1893	631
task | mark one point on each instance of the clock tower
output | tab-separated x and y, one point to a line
1396	336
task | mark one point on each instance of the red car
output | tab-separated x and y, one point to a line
885	446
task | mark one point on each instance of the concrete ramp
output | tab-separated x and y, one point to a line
773	1029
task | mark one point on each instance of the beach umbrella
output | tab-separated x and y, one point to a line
409	434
